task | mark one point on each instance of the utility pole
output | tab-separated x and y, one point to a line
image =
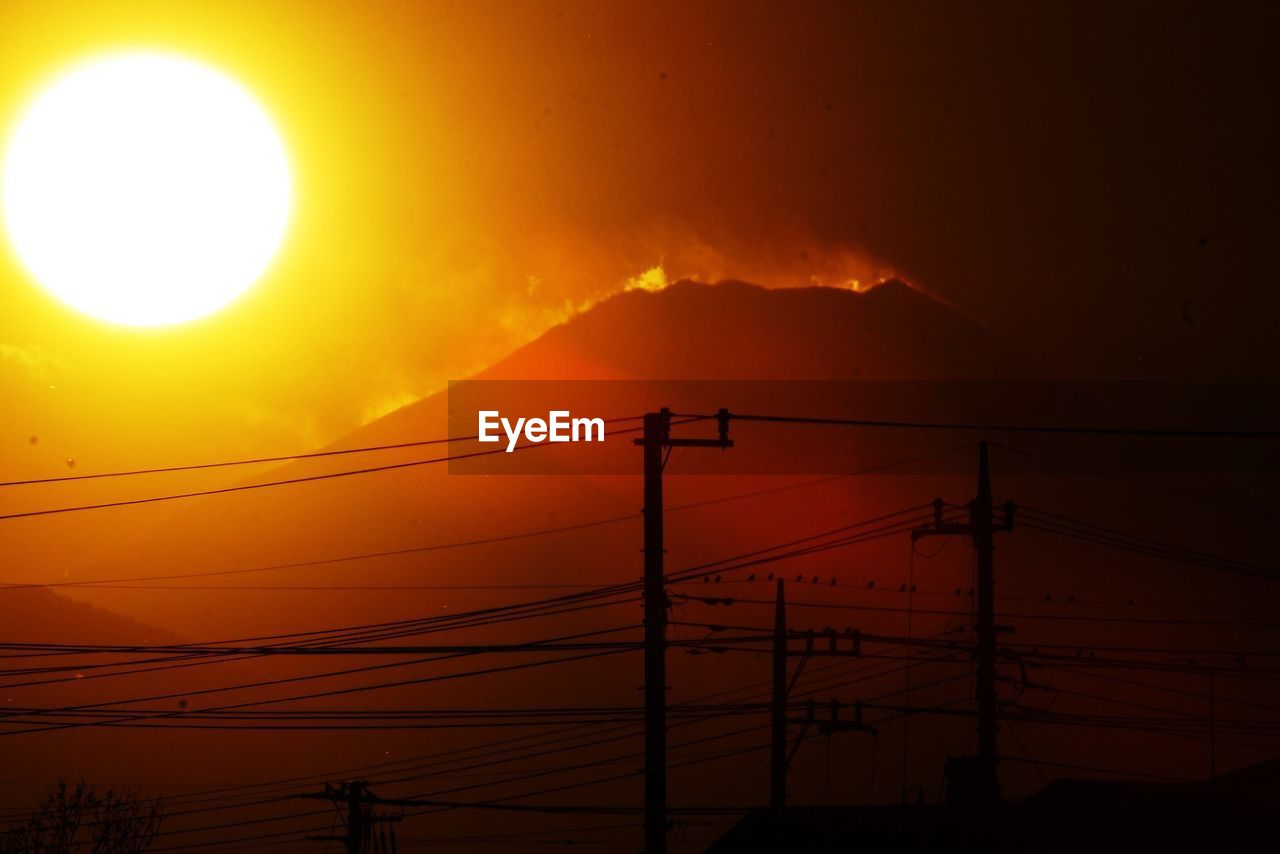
980	528
778	744
360	817
1213	729
355	817
657	431
657	443
780	757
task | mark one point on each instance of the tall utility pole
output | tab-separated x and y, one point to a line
778	744
1213	729
355	817
980	529
657	442
657	426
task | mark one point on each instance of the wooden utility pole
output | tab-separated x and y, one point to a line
657	442
980	528
778	744
656	433
780	756
355	817
1213	729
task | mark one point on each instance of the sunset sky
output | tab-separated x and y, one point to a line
467	175
710	199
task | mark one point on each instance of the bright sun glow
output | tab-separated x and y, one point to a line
145	189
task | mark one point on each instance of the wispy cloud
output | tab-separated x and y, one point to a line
39	365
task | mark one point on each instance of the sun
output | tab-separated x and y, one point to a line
145	189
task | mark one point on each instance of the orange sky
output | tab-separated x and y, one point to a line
467	173
1093	183
444	166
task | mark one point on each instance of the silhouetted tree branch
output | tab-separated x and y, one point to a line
78	819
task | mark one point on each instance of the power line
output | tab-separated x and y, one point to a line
315	695
501	538
1147	686
879	638
244	487
1070	601
593	740
1001	428
230	463
588	809
284	458
303	564
386	631
1054	523
1133	481
839	537
944	612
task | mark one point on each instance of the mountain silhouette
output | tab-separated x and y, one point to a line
727	331
39	615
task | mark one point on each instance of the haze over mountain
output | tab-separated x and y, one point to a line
39	615
728	331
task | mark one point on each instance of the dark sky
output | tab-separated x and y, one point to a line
1065	171
1095	177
